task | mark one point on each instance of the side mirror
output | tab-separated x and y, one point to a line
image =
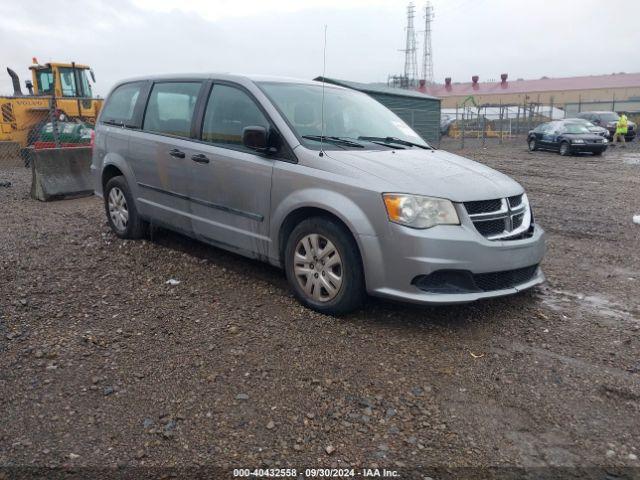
595	121
255	138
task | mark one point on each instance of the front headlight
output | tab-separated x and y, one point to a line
417	211
577	140
604	140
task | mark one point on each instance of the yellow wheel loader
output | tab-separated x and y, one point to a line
56	92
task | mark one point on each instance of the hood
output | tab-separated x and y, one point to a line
429	172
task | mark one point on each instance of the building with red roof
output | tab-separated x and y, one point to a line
607	92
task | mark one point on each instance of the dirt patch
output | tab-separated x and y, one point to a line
102	363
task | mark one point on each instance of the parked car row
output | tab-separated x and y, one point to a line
608	121
588	132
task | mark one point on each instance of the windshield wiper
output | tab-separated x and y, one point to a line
335	140
397	141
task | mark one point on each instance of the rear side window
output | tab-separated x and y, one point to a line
121	105
229	111
170	108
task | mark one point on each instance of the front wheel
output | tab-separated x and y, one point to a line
122	214
323	267
565	149
533	145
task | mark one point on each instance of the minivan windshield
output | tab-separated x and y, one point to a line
348	115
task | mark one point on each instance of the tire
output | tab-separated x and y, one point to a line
533	145
313	273
598	154
565	149
118	196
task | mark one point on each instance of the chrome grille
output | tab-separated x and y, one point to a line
502	218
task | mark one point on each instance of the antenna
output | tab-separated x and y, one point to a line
324	69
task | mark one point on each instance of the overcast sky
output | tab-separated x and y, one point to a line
124	38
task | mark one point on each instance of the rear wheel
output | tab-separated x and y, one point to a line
565	149
121	210
533	145
324	268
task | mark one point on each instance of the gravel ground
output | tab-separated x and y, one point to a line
103	364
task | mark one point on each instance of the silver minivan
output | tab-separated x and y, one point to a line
320	180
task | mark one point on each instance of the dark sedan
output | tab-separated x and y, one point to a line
566	138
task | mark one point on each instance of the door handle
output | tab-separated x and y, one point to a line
200	158
176	153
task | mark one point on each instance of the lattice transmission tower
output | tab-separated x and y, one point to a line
427	53
410	51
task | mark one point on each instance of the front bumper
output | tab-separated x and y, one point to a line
394	261
588	147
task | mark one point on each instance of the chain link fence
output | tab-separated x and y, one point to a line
32	122
502	123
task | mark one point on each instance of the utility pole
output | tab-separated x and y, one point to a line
427	54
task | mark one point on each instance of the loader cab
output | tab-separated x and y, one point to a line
68	80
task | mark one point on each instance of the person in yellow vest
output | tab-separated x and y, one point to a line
621	130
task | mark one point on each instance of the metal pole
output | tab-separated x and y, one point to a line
462	133
531	111
501	122
484	125
52	114
457	123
